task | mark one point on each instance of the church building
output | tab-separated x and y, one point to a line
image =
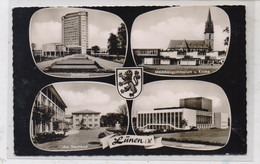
205	45
184	52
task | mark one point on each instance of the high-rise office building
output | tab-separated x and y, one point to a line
75	31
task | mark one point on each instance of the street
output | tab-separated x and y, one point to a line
81	140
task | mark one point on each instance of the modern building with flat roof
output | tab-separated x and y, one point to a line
54	50
86	118
193	112
75	31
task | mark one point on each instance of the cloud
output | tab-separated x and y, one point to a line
50	32
216	102
160	34
99	37
91	99
46	32
219	38
162	98
90	96
175	28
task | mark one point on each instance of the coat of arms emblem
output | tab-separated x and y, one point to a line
129	82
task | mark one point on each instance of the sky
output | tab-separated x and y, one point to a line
155	29
45	26
96	96
168	94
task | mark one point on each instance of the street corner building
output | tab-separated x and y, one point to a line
193	112
75	31
48	113
86	119
184	52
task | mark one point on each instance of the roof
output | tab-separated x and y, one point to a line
175	109
172	108
86	111
68	116
191	98
53	44
175	44
53	90
209	27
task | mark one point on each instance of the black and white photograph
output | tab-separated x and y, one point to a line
129	81
74	116
185	114
181	41
75	42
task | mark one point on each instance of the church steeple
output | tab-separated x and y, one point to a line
209	33
209	28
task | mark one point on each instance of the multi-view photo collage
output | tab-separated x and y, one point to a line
104	82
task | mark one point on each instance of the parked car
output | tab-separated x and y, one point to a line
194	128
102	135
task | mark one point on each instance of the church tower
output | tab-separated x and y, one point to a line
209	32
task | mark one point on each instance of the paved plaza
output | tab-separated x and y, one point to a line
76	140
105	63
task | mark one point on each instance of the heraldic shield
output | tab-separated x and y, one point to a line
129	81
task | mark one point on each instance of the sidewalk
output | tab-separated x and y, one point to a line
106	64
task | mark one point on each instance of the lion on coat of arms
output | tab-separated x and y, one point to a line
130	84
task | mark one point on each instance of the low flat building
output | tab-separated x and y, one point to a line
54	50
167	119
193	112
147	56
86	118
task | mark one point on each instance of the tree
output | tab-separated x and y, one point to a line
121	36
226	40
95	48
110	119
183	123
112	44
134	123
122	110
82	124
33	45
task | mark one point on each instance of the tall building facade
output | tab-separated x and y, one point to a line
75	31
48	112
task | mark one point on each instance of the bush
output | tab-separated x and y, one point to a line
117	131
47	137
194	141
